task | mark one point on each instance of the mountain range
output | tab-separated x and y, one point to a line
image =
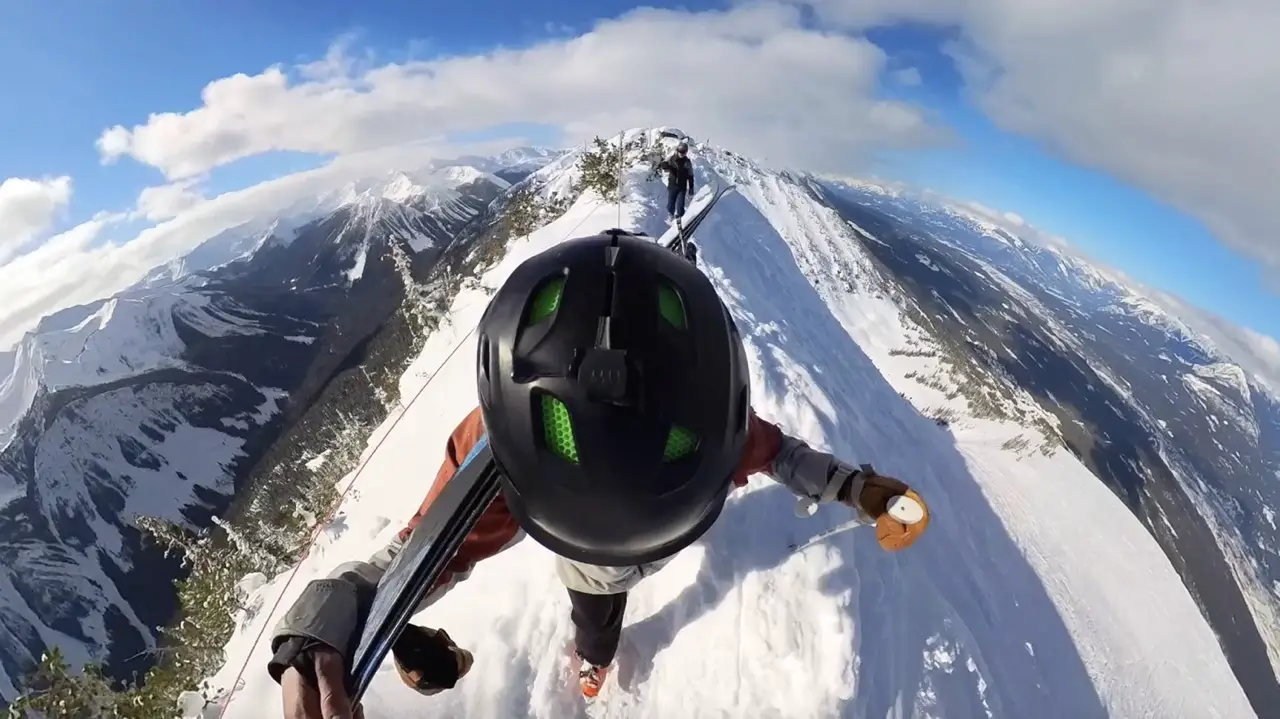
160	400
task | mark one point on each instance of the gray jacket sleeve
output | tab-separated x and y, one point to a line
328	610
815	476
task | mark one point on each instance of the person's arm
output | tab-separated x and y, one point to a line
689	183
821	478
328	611
805	471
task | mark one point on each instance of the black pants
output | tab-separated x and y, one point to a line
597	622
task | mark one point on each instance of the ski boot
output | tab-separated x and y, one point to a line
591	678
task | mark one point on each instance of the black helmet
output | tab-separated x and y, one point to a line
682	147
615	393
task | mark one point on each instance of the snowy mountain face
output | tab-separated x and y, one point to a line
1177	430
159	400
515	164
1035	592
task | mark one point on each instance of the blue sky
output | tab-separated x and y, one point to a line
75	72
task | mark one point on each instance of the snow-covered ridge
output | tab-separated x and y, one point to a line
1221	407
1228	376
123	337
1128	297
1010	606
120	338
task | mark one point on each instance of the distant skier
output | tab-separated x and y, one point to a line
615	465
679	180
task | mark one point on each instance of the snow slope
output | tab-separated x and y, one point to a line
1035	593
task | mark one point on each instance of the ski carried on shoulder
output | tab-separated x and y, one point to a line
420	562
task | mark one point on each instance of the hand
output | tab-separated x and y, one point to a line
327	701
428	660
873	500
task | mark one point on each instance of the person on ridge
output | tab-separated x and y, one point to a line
679	180
615	399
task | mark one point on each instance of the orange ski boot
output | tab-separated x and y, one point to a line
591	678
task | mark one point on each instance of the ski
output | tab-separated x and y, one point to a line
680	245
677	243
420	562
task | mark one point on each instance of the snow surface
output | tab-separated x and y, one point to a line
1035	593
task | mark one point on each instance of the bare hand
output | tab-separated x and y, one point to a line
329	701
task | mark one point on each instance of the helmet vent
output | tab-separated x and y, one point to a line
558	429
680	444
671	306
547	301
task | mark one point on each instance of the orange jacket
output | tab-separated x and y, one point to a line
497	528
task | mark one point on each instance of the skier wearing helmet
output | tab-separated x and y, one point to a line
615	399
679	180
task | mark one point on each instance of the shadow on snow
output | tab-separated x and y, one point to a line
965	586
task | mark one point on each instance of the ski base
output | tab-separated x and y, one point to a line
421	560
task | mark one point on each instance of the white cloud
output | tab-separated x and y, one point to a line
165	202
63	271
80	265
754	77
28	208
1175	96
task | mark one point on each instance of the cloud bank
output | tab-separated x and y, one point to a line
1174	96
754	78
1178	97
28	208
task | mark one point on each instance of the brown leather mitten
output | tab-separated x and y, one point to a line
894	535
873	500
428	660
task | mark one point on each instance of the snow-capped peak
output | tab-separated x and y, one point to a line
400	188
886	189
463	174
438	183
1227	375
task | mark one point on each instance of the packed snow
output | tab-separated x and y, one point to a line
1035	592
